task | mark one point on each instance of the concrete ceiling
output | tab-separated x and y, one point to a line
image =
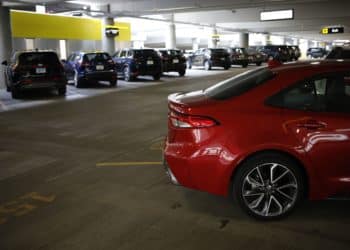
236	15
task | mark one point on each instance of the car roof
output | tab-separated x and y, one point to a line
312	64
89	52
35	51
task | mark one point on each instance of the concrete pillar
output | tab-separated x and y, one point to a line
268	40
5	40
170	42
108	43
212	40
195	43
283	40
243	39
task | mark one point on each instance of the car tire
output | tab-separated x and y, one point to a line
182	72
227	67
258	63
244	65
207	65
156	77
268	186
113	83
16	93
127	74
62	91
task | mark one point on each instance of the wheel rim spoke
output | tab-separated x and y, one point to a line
285	195
269	189
254	204
260	176
253	182
279	205
252	193
280	177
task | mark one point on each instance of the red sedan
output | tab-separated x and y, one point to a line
267	138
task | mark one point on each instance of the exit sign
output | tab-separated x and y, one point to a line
332	30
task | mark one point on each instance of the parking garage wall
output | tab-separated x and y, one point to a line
20	44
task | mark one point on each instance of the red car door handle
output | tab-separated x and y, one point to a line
312	124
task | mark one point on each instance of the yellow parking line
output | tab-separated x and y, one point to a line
131	163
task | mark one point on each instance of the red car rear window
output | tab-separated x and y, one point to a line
239	84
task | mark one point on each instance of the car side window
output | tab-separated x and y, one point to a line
337	94
71	57
328	94
123	53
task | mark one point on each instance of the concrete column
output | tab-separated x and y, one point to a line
5	40
170	42
195	43
243	40
283	40
212	43
108	43
268	40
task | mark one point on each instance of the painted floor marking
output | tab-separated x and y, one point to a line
126	164
23	205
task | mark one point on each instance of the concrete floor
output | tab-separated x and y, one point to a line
63	184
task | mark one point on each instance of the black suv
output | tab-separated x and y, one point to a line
86	67
173	61
277	52
210	58
239	56
339	53
131	63
34	70
316	52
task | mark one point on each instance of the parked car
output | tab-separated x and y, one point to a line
188	53
131	63
316	52
339	53
34	70
210	58
256	57
277	52
266	138
294	52
86	67
173	61
238	56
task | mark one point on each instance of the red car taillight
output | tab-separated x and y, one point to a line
191	121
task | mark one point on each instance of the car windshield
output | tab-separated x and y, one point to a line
175	52
35	58
145	52
97	57
239	84
218	51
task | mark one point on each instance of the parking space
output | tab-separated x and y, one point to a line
88	174
35	98
174	125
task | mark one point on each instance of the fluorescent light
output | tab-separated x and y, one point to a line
276	15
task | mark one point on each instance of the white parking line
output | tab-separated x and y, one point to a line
3	106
